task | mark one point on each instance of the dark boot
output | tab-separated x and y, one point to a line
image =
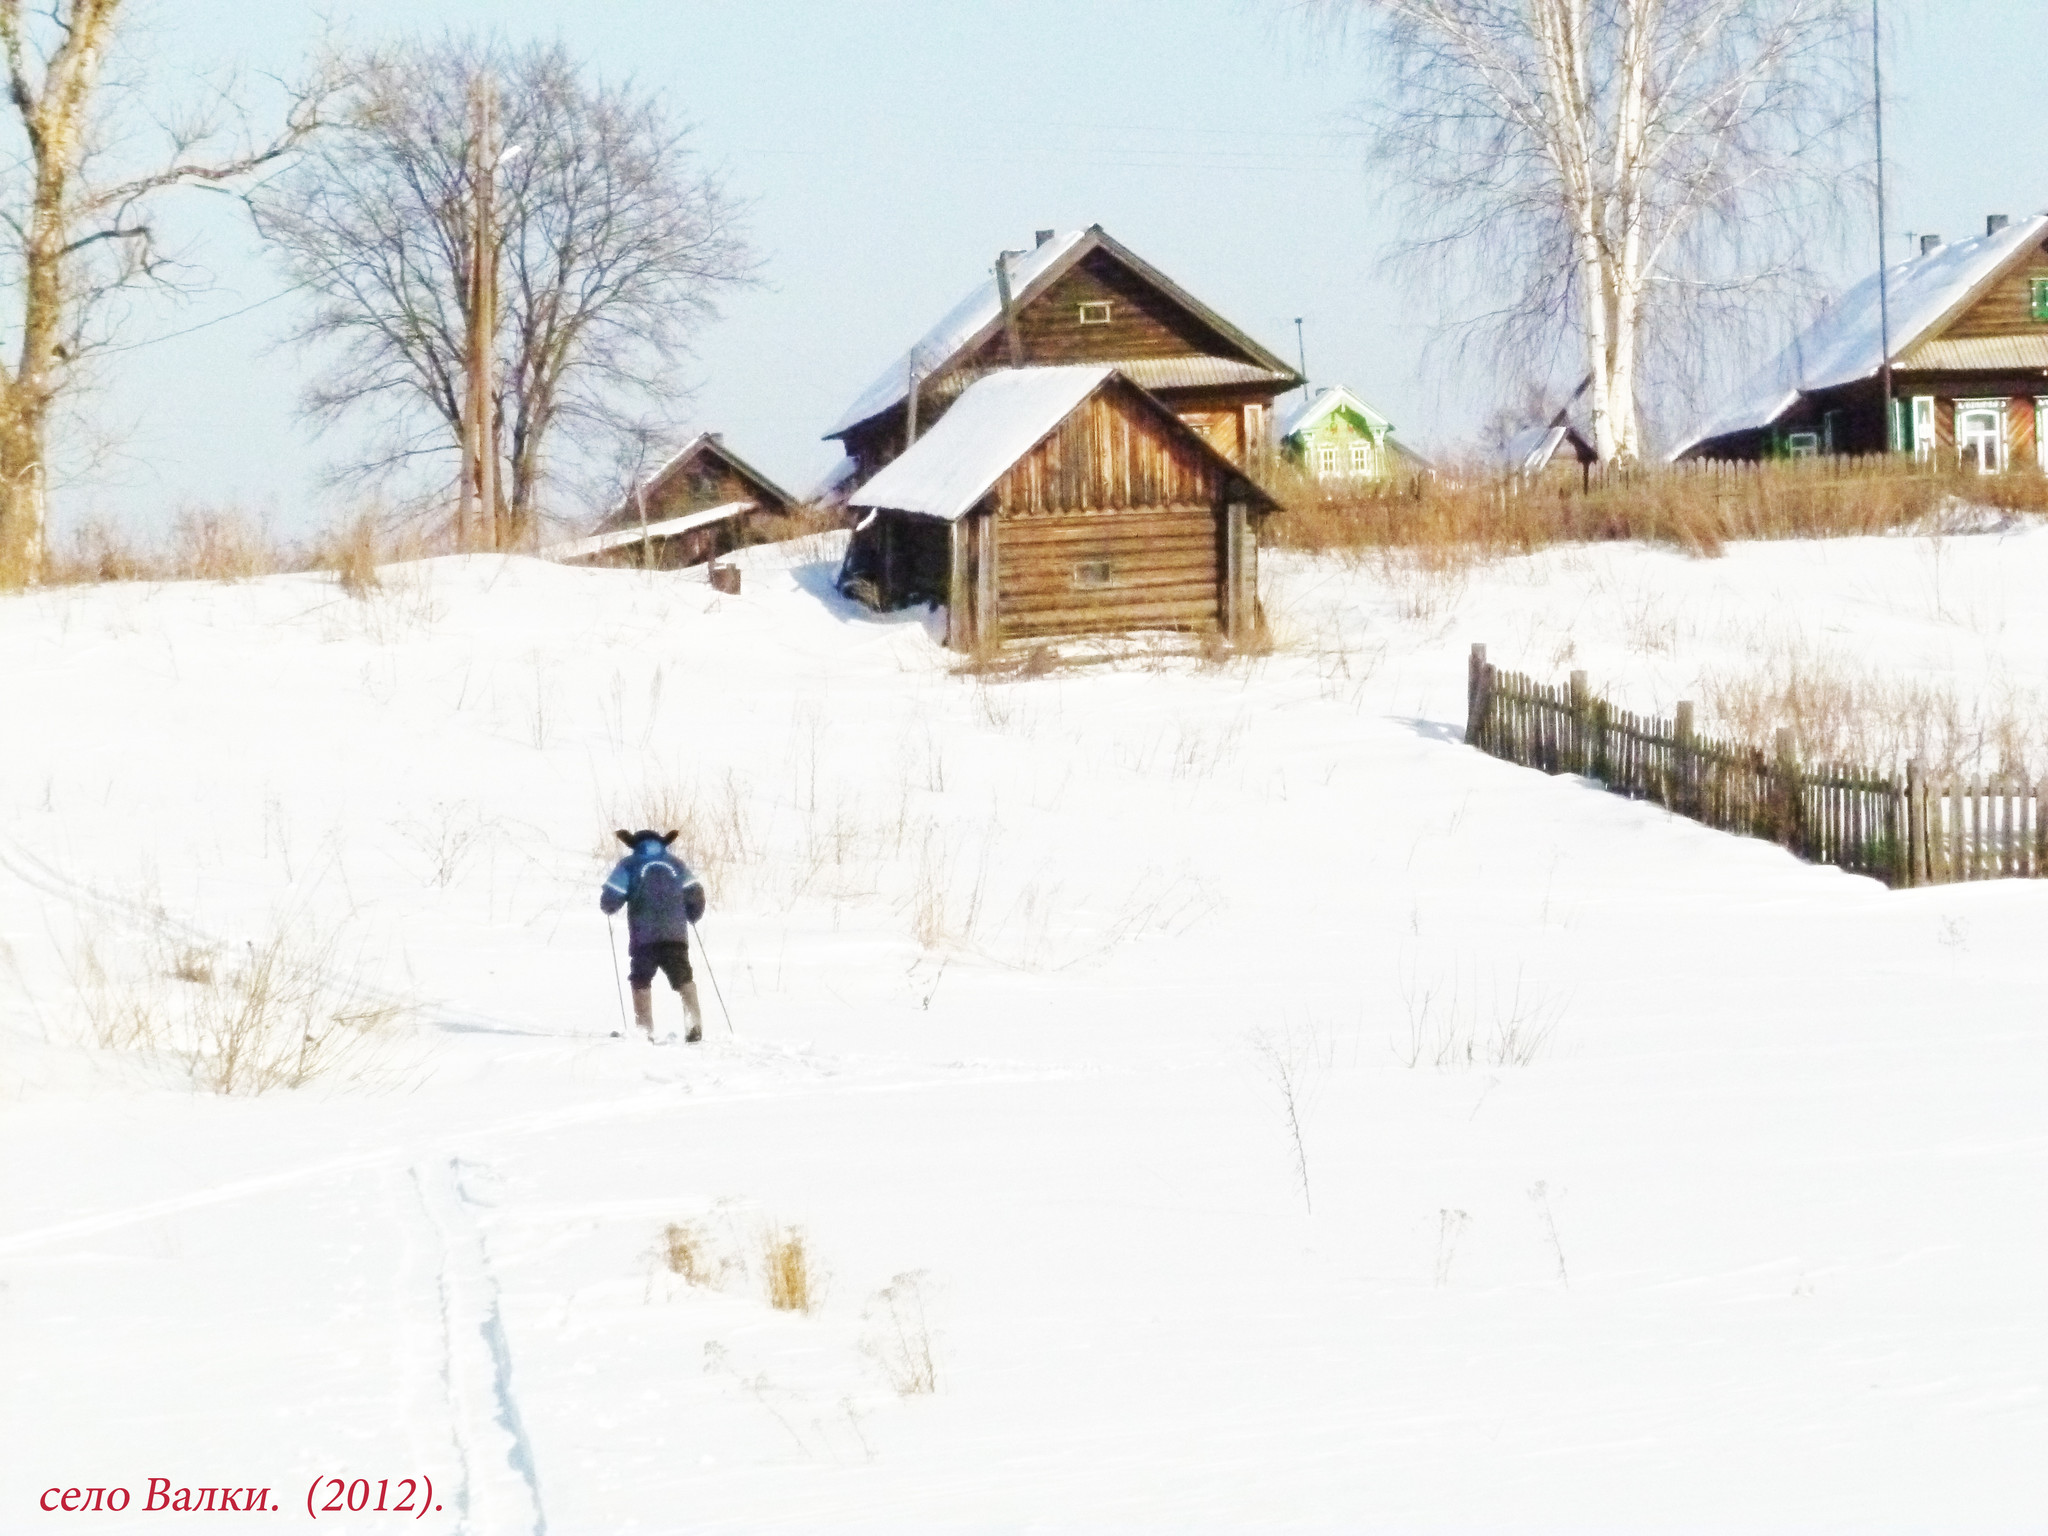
643	1010
688	993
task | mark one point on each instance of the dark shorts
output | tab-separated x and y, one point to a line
671	959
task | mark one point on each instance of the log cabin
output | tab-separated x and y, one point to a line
705	501
1060	501
1077	297
1969	358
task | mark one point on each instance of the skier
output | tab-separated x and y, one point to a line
662	898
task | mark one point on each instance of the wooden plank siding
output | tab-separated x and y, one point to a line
1142	322
2020	430
2006	309
1117	450
1112	522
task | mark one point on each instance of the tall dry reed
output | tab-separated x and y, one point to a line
1454	517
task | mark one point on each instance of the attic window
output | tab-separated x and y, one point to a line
2039	289
1092	573
1096	313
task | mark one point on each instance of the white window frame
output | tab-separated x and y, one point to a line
1361	458
1802	445
1923	428
1095	312
1326	461
1994	408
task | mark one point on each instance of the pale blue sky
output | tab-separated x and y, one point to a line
890	149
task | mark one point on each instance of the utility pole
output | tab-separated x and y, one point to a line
479	518
1301	351
1892	439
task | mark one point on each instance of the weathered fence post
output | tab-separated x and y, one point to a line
1682	769
1917	869
1576	758
1788	811
1475	690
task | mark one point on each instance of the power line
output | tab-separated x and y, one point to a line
135	346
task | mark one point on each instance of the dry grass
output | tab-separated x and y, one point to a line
282	1013
226	544
1453	518
899	1339
689	1250
787	1271
1843	712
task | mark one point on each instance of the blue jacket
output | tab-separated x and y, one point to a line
661	897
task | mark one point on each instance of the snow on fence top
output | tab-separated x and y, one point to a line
959	324
994	423
1843	345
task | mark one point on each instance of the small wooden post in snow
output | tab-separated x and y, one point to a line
1788	789
1473	670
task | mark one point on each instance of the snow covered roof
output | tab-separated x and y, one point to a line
976	316
1844	346
667	528
832	488
980	309
1330	397
1532	448
625	512
991	426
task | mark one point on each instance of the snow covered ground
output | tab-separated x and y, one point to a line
1645	1178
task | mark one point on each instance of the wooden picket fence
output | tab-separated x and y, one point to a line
1902	829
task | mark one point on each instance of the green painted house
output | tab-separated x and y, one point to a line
1336	437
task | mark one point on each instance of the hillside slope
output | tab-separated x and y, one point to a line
1644	1178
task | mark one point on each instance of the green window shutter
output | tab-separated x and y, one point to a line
2040	292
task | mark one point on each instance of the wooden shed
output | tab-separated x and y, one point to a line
705	501
1061	501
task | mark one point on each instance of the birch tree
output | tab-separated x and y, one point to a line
1643	173
614	245
76	226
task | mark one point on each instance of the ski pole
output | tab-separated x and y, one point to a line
618	982
708	971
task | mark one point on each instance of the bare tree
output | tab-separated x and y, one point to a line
76	227
613	245
1645	173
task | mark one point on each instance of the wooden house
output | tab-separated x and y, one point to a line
706	501
1075	298
1057	501
1559	451
1340	442
1969	355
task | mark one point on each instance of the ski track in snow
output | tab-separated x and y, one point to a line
500	1492
547	1120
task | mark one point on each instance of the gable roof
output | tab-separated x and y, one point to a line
998	419
1843	345
712	444
1531	450
978	317
1307	413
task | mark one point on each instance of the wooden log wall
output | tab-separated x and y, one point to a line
1904	830
1081	573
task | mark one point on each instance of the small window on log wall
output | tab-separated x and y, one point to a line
1092	573
1096	313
